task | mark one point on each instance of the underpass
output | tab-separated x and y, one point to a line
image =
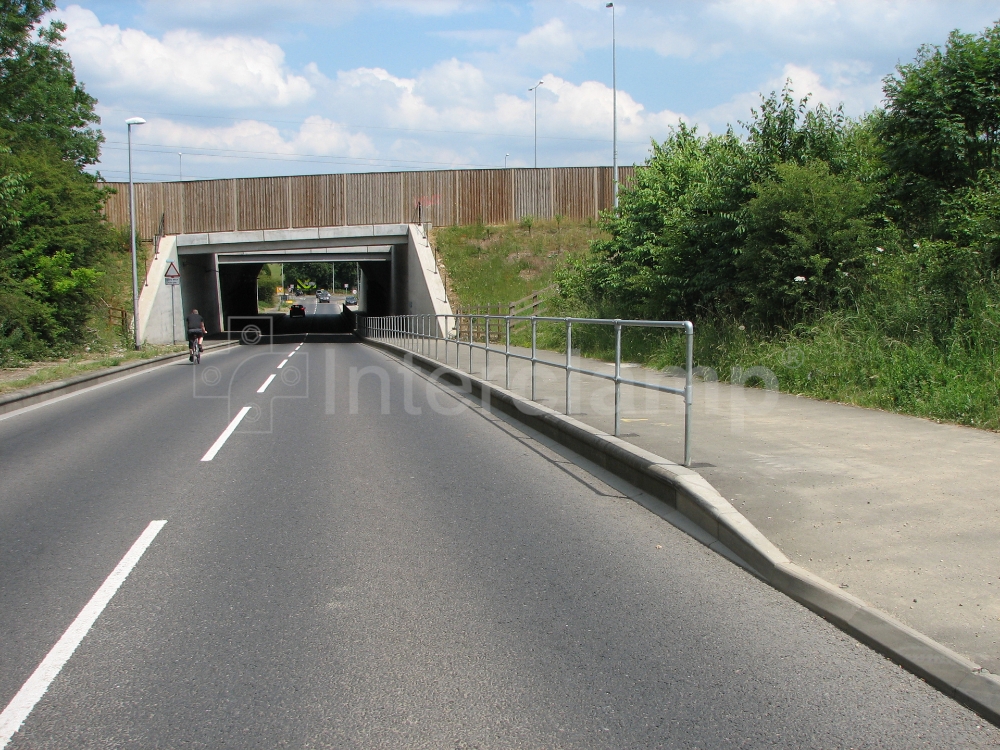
368	559
216	273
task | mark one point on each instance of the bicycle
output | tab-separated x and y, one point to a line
194	351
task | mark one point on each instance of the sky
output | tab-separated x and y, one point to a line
246	88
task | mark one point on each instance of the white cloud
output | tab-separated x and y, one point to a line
435	7
183	66
842	27
316	136
550	44
850	86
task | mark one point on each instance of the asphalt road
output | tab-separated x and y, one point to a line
357	571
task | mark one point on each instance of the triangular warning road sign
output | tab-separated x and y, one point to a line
172	272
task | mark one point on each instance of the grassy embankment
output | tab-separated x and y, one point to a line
873	356
489	264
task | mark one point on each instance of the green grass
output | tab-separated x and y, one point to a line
76	365
486	265
843	357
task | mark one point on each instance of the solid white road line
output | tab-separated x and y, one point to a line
283	363
32	691
267	383
225	434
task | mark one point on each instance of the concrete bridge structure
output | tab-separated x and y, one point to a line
218	272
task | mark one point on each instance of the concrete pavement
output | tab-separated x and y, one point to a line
348	571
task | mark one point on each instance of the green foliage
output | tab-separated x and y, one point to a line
810	240
693	232
869	248
52	231
40	99
942	122
670	249
268	281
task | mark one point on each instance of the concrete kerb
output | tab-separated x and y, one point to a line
30	396
690	494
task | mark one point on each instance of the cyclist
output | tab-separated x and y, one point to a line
196	331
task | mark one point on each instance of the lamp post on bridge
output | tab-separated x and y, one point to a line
535	89
131	222
614	106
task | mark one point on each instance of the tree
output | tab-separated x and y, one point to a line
52	231
672	238
677	246
941	124
40	99
810	239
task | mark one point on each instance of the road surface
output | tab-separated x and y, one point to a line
369	561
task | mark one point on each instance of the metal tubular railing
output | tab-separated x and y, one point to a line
415	332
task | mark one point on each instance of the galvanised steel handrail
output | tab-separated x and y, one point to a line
416	332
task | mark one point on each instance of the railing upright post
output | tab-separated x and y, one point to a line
688	392
486	366
472	321
569	363
534	349
618	377
506	355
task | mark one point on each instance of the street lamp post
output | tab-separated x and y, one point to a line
614	106
180	166
505	160
535	89
131	223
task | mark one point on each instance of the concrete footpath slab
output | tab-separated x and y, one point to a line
899	511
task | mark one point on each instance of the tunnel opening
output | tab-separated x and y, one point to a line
253	291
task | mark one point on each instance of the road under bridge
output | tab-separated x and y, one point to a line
218	273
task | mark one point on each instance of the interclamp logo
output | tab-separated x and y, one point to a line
238	383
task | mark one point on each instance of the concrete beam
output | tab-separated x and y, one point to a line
272	240
317	256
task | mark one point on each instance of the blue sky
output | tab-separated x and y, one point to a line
270	87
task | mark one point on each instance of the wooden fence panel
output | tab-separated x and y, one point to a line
209	206
435	192
148	208
532	193
264	203
484	196
173	208
313	201
573	193
374	198
445	197
116	205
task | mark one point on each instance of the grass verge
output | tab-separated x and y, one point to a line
486	265
40	373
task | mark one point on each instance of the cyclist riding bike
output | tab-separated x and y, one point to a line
196	332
